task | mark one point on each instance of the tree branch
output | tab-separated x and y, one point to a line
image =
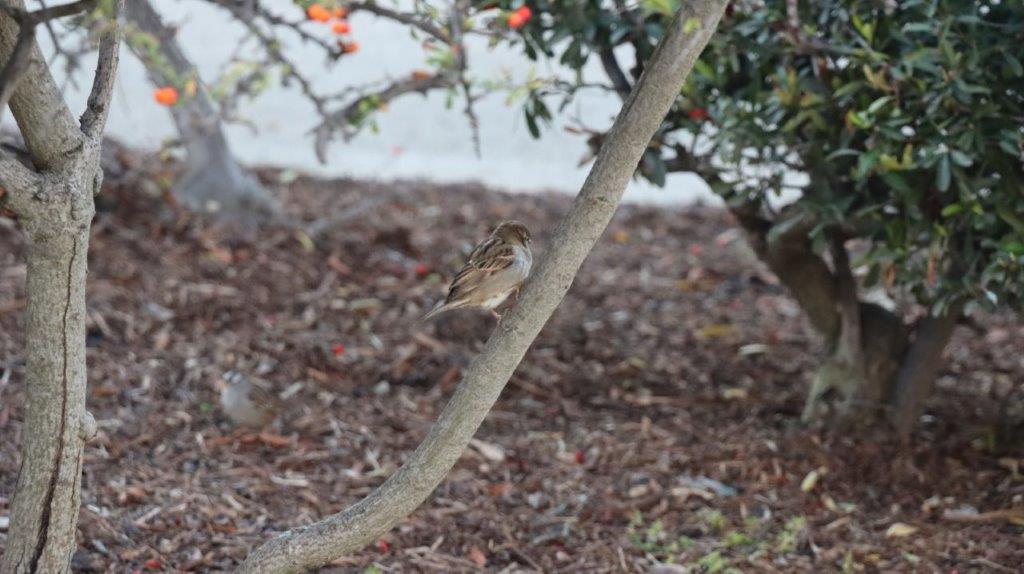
920	366
17	183
615	73
849	347
783	245
94	120
46	123
314	545
348	119
402	18
18	63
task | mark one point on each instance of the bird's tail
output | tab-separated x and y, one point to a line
441	307
437	310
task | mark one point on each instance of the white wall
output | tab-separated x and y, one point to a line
418	138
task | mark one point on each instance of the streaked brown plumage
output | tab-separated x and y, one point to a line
496	268
246	403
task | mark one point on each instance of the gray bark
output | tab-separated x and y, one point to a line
920	367
864	343
53	200
311	546
213	182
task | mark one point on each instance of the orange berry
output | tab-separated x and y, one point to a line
340	12
166	96
341	27
318	13
350	47
516	20
421	75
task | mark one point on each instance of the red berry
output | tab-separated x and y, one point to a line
338	350
525	12
383	545
579	456
422	270
698	114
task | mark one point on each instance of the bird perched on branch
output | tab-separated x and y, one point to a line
245	403
496	268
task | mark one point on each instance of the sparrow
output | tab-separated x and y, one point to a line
245	403
496	268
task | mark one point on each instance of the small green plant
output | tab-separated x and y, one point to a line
653	539
715	563
790	535
713	519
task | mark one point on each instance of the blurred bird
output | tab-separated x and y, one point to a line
496	268
245	403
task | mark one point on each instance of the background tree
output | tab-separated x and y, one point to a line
213	179
903	120
52	198
317	544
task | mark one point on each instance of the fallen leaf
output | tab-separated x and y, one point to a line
716	330
274	440
491	452
811	480
478	557
900	530
735	394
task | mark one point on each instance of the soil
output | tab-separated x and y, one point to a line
654	421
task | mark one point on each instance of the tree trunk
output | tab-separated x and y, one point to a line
317	544
871	368
920	367
44	511
865	344
53	199
213	182
856	394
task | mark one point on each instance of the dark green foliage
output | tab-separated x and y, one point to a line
905	117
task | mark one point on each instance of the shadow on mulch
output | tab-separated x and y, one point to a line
654	420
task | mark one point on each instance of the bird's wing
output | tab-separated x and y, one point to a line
490	257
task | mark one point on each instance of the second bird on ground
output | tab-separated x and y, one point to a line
496	268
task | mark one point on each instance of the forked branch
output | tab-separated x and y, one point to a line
18	63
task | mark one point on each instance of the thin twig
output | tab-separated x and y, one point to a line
98	108
402	18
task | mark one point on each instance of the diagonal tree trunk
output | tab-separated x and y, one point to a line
317	544
53	200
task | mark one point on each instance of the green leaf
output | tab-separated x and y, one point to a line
960	158
952	209
1014	64
942	175
879	104
1013	247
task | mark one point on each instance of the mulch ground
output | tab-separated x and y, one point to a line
655	420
